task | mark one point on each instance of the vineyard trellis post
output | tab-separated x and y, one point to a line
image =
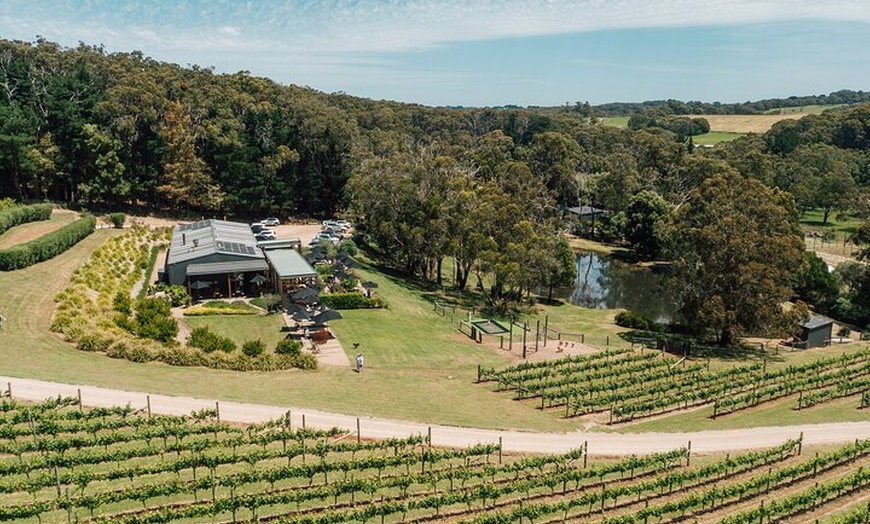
537	333
303	421
689	454
358	433
585	453
148	404
79	396
499	449
9	389
217	412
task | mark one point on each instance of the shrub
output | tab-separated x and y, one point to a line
352	301
635	321
289	347
47	246
16	215
207	341
211	309
304	361
178	295
253	348
122	303
117	220
349	247
153	320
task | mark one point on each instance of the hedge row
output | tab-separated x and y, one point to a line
47	246
352	301
17	215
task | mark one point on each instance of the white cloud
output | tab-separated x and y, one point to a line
364	26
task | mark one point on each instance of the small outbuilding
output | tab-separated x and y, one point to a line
816	332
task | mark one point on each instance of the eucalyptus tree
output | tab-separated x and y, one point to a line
735	243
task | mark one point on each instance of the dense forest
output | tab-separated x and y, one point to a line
486	187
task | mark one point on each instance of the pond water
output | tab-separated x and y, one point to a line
604	283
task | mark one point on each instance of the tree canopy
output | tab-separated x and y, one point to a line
735	245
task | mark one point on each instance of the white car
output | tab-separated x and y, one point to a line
271	221
266	234
325	236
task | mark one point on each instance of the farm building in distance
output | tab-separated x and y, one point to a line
817	331
214	257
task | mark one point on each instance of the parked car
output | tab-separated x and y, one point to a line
336	225
271	221
256	227
266	234
326	236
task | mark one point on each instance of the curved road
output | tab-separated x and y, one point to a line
516	441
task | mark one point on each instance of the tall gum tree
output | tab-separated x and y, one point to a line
734	243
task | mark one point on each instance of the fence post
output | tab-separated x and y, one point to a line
546	328
537	333
511	343
525	330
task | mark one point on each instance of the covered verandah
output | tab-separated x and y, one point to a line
227	279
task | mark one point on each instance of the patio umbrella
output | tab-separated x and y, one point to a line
199	284
300	316
342	274
296	308
309	300
348	262
258	279
303	293
326	316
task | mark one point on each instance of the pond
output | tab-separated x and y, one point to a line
604	283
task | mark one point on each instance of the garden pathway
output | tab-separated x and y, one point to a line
514	441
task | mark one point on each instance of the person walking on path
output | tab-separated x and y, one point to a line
359	362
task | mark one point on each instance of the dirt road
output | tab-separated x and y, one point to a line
513	441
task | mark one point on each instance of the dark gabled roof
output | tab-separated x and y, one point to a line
233	266
816	322
208	237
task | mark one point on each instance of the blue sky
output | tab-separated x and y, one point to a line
487	52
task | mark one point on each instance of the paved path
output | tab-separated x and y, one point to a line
518	441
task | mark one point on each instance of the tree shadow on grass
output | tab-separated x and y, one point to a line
689	346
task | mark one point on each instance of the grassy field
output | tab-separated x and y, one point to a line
714	137
833	237
418	367
722	127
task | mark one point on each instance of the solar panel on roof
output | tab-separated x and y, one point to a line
193	226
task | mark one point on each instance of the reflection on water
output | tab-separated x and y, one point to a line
603	283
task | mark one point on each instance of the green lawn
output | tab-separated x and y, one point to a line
714	137
814	221
616	121
241	328
418	367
